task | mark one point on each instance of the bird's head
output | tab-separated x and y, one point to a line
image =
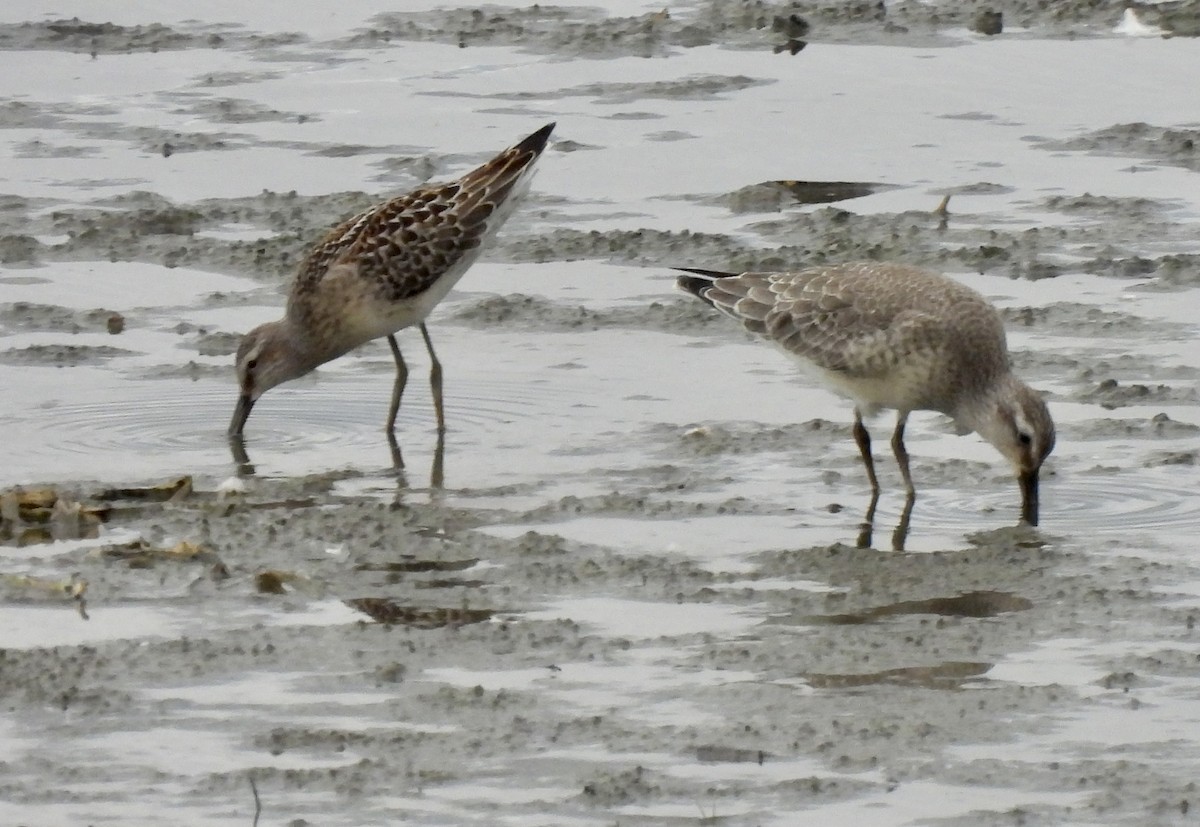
264	360
1018	424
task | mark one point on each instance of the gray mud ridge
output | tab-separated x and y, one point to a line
62	356
44	318
146	227
1111	394
399	165
782	27
1090	321
716	439
534	313
757	25
1168	146
104	38
695	87
1159	426
77	35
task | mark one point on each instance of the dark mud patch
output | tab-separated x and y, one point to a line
774	196
38	149
81	123
715	439
644	505
192	371
697	87
75	35
26	316
1128	367
145	227
534	313
393	613
1169	272
1170	146
977	188
62	356
218	343
586	32
972	604
1162	458
1126	377
99	38
217	80
783	28
1111	394
1159	426
235	110
1089	320
1109	207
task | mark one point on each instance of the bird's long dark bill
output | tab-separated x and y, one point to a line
240	414
1028	480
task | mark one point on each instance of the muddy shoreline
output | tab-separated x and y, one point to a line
645	594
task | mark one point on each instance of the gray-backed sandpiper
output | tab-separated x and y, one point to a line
894	336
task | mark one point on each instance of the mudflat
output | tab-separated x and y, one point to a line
644	593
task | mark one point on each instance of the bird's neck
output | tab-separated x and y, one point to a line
980	412
315	339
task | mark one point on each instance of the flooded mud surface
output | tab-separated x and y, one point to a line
636	584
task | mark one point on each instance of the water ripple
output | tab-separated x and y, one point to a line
327	414
1143	499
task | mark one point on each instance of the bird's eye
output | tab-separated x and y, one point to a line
1024	438
251	364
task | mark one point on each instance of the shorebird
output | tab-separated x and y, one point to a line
381	271
893	336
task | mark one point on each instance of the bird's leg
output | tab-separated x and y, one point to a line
902	453
398	388
863	440
435	381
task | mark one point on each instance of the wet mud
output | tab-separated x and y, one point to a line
647	592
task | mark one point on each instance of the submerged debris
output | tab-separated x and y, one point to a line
276	581
170	491
773	196
139	554
968	604
43	515
387	611
73	588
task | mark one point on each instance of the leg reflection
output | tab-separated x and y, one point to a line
866	529
397	459
437	471
900	535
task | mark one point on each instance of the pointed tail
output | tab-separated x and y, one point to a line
501	175
536	142
700	283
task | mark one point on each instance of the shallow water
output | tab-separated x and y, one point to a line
638	597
